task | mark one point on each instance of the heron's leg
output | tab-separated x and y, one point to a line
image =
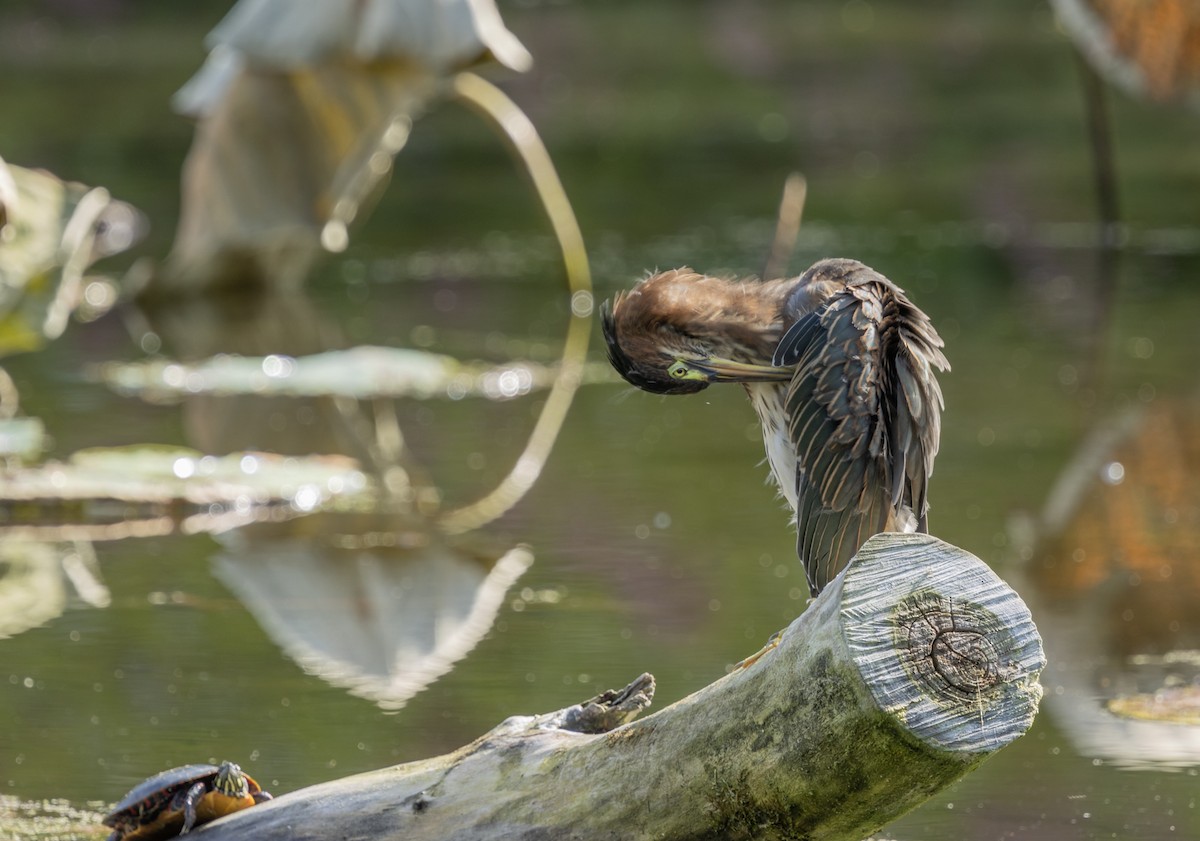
772	644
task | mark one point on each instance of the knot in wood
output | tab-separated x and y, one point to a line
947	645
966	660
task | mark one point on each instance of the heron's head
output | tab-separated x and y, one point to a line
677	331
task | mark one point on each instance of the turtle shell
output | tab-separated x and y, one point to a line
154	808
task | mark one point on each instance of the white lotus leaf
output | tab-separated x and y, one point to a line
362	372
166	475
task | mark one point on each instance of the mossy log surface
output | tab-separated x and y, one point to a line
911	668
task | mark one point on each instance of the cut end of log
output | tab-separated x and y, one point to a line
946	647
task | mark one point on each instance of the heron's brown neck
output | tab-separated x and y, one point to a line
740	317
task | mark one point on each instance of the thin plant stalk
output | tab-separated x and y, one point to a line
787	226
514	125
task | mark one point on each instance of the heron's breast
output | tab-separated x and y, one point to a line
768	402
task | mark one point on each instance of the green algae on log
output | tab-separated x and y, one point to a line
913	666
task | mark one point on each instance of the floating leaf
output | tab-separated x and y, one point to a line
164	475
362	373
1175	705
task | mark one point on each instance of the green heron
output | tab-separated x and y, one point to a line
838	364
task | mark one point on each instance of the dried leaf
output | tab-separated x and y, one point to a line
52	231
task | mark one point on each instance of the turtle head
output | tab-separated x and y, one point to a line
231	781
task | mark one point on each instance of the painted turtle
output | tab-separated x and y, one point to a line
175	801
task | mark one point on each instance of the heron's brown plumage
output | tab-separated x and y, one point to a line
676	311
852	436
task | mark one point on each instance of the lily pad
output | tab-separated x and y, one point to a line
1175	705
165	475
362	373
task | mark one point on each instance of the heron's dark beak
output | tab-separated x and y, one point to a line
722	370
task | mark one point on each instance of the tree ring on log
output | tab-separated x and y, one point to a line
944	644
943	659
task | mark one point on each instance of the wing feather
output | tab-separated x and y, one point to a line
863	415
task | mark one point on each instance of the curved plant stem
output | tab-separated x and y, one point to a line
507	118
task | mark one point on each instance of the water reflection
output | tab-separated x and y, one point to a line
378	600
381	605
1116	579
352	573
259	324
37	580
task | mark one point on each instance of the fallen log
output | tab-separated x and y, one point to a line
912	667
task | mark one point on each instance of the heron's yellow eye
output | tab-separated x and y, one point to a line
679	370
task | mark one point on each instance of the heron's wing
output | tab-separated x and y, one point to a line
864	413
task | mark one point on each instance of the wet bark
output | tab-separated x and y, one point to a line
913	666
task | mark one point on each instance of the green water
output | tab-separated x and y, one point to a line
944	147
